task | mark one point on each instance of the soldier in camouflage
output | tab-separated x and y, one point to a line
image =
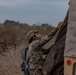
35	51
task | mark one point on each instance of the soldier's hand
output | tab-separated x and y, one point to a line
60	24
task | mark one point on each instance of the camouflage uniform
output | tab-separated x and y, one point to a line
35	52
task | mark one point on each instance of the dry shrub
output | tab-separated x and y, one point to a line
14	33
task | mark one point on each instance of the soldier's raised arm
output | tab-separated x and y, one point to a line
35	52
48	37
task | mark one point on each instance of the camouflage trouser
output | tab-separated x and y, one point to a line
38	71
35	72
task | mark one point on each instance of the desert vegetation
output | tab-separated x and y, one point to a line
13	34
12	40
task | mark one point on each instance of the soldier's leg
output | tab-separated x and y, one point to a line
39	72
35	72
44	71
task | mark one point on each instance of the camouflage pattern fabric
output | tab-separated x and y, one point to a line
35	51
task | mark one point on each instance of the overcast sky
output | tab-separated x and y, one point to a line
33	11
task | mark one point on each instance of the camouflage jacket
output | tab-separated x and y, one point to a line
35	51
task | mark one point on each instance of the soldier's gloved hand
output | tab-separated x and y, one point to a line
60	24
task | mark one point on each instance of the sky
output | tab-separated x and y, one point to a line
33	11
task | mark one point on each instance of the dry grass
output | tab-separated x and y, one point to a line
12	40
14	33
